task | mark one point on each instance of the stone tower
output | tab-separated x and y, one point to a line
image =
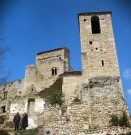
98	52
102	87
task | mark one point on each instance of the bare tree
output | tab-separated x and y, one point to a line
3	75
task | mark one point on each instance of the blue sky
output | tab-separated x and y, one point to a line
31	26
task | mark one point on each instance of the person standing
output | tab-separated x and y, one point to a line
25	121
16	121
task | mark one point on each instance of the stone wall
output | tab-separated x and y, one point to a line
40	74
21	105
8	92
37	77
105	131
98	86
76	121
60	54
104	98
71	87
52	54
100	97
99	46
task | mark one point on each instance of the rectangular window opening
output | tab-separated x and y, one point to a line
102	62
52	71
90	42
3	109
5	95
55	71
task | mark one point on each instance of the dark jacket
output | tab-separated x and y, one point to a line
25	121
16	119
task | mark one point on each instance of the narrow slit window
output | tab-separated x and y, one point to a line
52	71
102	62
55	71
95	24
5	95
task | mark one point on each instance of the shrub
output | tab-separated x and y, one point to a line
76	99
122	120
2	119
55	97
114	120
3	132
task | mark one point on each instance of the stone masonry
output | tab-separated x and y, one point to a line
98	86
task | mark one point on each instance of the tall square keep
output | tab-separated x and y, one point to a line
98	50
100	67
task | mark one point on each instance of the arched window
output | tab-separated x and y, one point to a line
95	24
54	70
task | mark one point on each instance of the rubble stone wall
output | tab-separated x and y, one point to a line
105	98
71	87
77	121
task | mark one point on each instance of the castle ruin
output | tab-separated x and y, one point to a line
98	86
